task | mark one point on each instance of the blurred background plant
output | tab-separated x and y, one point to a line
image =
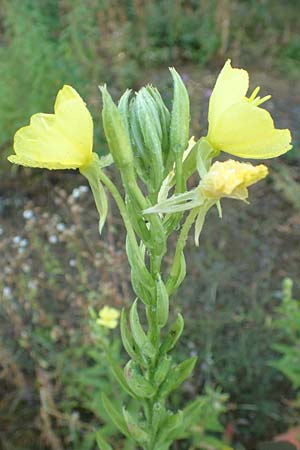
51	256
288	342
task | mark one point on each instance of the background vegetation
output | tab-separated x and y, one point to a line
53	265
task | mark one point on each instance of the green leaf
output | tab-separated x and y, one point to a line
168	426
137	381
102	444
175	280
141	278
136	432
119	375
116	417
128	342
162	302
173	335
162	369
138	333
177	375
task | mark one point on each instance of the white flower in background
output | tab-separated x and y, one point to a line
28	214
53	239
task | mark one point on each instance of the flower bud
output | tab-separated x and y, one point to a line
180	117
147	134
115	132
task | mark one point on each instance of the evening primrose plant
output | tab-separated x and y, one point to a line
155	157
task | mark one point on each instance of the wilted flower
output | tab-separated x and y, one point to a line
108	317
237	124
224	179
230	179
62	140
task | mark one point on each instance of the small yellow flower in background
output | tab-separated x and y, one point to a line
108	317
237	124
231	179
63	140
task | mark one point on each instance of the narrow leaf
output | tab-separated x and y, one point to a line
138	333
116	417
102	444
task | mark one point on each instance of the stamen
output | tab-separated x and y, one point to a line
258	101
254	94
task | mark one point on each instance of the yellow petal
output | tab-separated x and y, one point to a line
27	162
231	86
247	131
79	124
65	94
62	140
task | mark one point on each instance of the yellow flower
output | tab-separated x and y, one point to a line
230	179
108	317
63	140
237	124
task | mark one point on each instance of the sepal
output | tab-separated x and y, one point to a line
91	173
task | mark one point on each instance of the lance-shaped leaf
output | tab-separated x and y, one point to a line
173	335
119	375
172	422
162	369
128	342
140	273
162	302
158	416
139	334
101	442
141	289
191	413
115	416
177	375
135	430
176	279
137	381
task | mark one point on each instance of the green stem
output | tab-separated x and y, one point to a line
122	208
179	248
156	227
